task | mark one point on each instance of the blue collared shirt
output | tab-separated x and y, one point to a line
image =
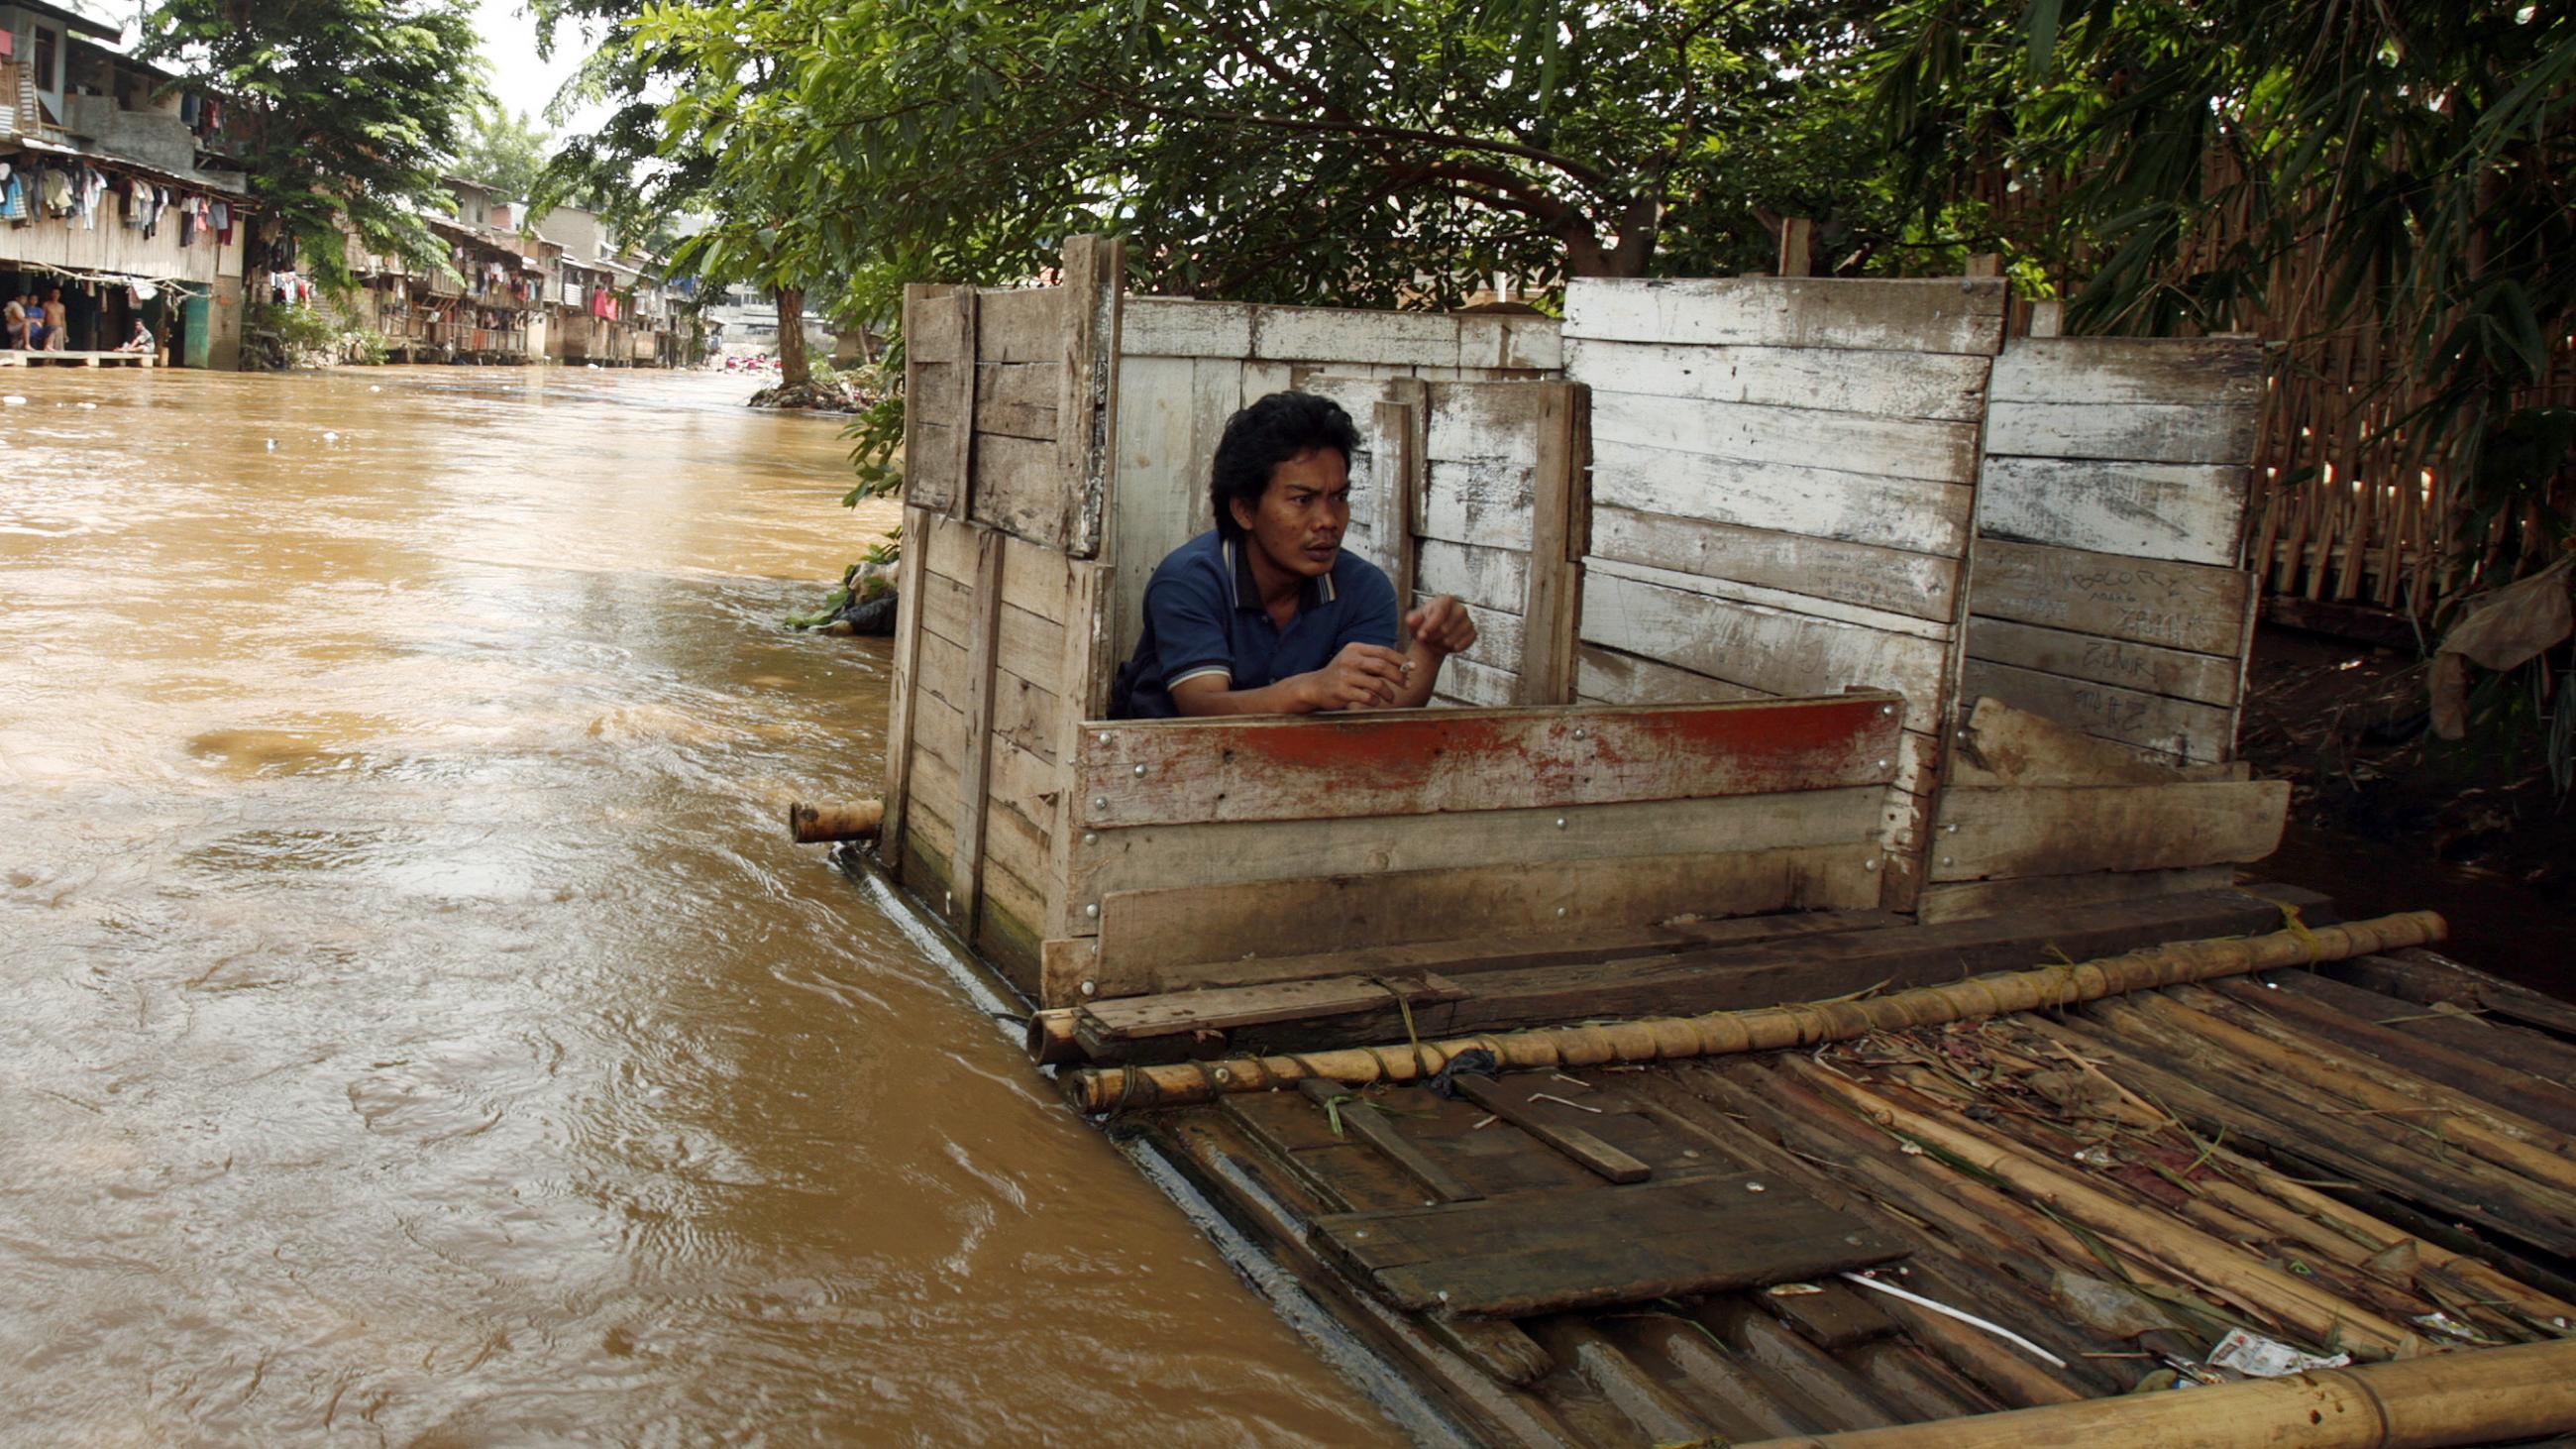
1203	615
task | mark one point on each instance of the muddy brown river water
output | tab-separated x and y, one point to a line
414	1025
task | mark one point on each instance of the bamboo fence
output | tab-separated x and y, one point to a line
2350	504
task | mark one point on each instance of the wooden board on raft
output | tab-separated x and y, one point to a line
1547	1252
1784	478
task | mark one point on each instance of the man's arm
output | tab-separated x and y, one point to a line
1439	629
1361	676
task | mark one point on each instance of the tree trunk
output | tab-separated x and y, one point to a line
793	369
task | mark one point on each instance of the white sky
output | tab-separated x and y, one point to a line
518	77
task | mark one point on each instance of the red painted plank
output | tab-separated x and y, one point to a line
1420	762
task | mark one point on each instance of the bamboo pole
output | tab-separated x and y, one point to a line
2523	1147
2487	1396
1725	1033
821	824
2230	1272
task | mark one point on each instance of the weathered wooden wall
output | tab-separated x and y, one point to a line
1743	496
1207	847
1783	482
1477	489
2110	514
1000	655
1185	367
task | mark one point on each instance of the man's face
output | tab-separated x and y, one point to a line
1302	514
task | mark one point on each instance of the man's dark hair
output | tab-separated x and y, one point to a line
1267	434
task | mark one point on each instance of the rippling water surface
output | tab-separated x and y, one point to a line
414	1026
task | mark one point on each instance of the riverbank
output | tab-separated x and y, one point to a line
2383	812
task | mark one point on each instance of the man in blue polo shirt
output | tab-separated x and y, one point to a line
1266	614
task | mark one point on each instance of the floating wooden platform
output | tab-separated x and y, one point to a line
78	359
1833	867
2298	1154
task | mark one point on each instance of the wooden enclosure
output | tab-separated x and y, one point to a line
1743	555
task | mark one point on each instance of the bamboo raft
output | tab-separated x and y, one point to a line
1799	990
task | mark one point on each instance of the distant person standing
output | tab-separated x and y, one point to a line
16	316
57	320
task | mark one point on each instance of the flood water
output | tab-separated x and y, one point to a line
414	1025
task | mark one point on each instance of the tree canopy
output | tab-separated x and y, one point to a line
346	109
506	151
1305	150
2164	163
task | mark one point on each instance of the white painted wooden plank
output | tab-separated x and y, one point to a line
1502	342
1482	421
2173	727
1942	452
2036	832
2103	370
1607	676
2147	601
2187	512
1773	650
1155	856
1479	686
2137	432
1945	385
1860	616
2207	678
1907	513
1258	379
1219	387
1183	327
1942	315
1334	334
1155	493
1493	577
1487	503
1534	342
1919	584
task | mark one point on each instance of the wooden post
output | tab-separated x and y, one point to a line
917	523
1082	684
1552	608
961	457
1397	464
1986	264
974	773
1086	412
1797	246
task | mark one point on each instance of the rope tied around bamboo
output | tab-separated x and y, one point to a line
1770	1028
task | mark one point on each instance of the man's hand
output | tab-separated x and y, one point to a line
1362	676
1442	626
